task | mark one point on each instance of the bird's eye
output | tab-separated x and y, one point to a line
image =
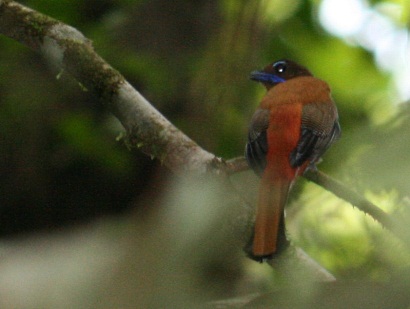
280	67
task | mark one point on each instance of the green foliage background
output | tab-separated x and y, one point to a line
60	161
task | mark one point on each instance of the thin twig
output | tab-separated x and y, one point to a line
339	189
236	165
342	191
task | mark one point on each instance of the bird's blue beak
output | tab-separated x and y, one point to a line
263	77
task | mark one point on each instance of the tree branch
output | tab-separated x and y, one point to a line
69	50
236	165
340	190
239	164
397	227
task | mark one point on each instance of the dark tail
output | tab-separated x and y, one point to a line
269	217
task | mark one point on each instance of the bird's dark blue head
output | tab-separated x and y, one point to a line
279	72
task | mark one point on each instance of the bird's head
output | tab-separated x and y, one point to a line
279	72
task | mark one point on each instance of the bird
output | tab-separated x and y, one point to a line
295	123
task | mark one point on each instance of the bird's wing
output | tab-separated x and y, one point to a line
257	145
319	129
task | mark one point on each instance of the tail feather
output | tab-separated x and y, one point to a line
271	203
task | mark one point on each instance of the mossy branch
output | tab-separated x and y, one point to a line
67	49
